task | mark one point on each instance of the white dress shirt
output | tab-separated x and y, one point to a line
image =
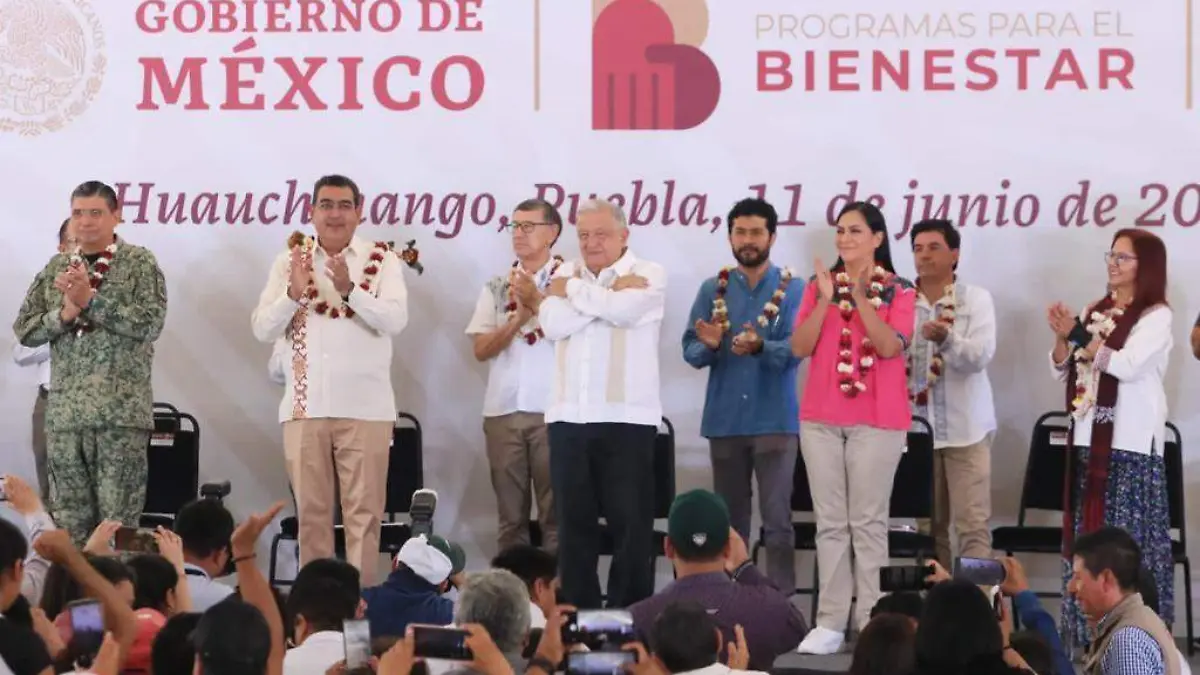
1140	416
959	407
720	669
349	361
205	591
34	356
519	377
606	345
315	655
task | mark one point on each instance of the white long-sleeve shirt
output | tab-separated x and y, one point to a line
606	344
960	407
1140	416
346	363
34	356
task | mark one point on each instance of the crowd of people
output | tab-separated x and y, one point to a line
572	405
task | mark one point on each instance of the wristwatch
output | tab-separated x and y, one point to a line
543	664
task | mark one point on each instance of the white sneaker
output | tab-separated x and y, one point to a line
821	641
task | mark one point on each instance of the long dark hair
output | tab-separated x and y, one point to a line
958	632
885	647
878	225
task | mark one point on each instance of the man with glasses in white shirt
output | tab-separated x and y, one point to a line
39	356
506	334
338	300
604	314
954	341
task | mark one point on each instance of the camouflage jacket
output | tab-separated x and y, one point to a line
99	378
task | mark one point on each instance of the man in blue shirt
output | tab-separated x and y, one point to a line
740	329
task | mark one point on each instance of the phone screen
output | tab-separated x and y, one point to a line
979	571
135	540
599	663
87	626
356	634
436	642
601	625
899	578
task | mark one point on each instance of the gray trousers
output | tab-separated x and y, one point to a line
771	459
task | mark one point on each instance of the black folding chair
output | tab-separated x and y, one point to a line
912	494
1176	504
405	475
173	466
1045	473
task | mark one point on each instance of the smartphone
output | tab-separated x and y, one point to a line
599	626
599	663
438	642
87	626
980	571
356	639
135	540
896	578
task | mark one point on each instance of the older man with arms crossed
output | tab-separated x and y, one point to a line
604	314
338	301
506	333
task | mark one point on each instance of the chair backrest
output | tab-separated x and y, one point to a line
172	461
406	464
802	500
1045	469
1173	459
912	487
664	469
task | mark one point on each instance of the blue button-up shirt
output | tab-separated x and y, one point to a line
754	394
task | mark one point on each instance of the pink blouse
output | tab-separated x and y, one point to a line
884	405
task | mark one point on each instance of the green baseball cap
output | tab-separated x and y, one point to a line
698	525
458	558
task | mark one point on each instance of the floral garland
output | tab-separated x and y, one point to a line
946	313
95	278
1100	326
530	337
409	256
720	312
336	308
850	385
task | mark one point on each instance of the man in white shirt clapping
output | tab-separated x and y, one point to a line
604	313
338	301
505	333
40	356
954	341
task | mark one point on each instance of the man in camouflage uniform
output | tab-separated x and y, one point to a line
101	307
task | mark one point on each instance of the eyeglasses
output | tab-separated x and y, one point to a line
1118	258
525	226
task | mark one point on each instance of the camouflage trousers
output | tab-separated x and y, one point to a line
96	475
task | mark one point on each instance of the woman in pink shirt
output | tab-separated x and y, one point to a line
854	325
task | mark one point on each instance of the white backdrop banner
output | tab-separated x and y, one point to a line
1041	126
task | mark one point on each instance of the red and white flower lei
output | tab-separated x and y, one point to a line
95	277
720	312
850	385
1100	325
335	308
946	312
530	337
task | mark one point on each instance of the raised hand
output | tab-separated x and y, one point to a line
936	331
747	341
709	333
525	289
1061	319
824	280
339	274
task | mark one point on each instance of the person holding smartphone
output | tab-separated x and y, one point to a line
855	323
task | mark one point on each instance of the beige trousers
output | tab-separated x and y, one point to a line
850	471
518	451
962	493
355	454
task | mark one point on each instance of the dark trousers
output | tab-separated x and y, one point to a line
604	470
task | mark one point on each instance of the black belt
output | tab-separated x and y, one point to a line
43	392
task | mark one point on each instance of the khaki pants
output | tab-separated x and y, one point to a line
39	444
962	491
354	453
518	451
850	471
